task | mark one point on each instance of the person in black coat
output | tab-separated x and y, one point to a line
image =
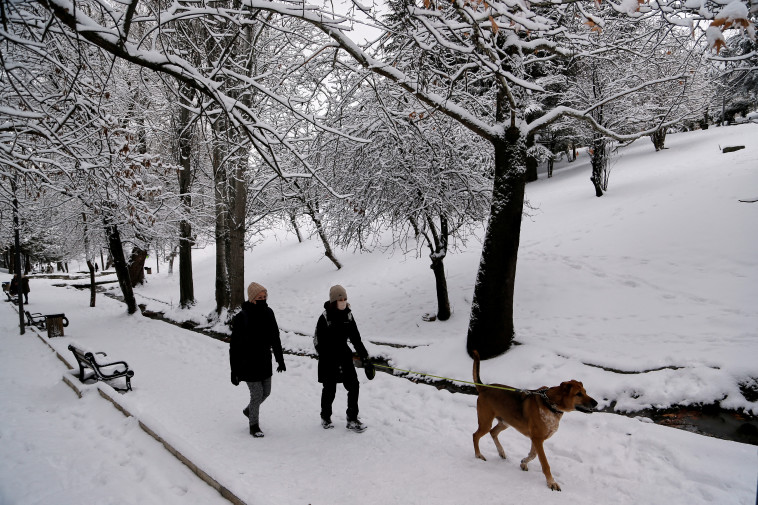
254	334
14	290
335	358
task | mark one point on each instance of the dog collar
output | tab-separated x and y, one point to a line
550	405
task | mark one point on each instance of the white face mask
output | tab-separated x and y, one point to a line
341	304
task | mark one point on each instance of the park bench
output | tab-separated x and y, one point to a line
36	319
11	298
89	368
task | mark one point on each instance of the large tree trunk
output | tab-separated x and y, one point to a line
221	233
186	285
237	227
137	265
491	329
119	263
443	300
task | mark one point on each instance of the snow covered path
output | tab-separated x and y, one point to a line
58	449
417	449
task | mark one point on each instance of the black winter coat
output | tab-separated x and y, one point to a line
254	334
335	358
13	288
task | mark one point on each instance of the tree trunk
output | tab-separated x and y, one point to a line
438	247
186	285
92	288
491	329
119	263
137	266
443	300
90	259
220	182
598	161
171	258
237	227
322	235
293	222
659	138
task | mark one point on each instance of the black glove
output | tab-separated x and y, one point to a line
281	368
235	380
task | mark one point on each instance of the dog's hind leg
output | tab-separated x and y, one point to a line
485	416
494	432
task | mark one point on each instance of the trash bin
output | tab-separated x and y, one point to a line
55	324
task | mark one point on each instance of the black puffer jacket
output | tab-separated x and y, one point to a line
254	334
335	358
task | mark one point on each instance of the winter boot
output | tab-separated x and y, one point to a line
326	424
255	431
356	426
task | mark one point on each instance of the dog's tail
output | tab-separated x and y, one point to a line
477	379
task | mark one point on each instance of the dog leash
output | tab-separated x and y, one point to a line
505	388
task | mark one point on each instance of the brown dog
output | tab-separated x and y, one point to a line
535	414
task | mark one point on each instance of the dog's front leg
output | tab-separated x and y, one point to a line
538	447
526	460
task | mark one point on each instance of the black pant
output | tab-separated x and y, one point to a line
327	397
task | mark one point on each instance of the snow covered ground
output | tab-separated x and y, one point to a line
657	277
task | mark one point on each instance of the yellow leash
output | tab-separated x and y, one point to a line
448	379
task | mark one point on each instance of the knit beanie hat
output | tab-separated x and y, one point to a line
337	293
253	290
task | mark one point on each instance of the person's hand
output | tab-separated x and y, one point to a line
281	368
235	380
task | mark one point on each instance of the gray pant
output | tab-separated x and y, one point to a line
259	391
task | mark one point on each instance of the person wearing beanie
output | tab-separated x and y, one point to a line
335	358
254	334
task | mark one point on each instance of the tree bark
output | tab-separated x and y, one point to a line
491	329
659	138
137	266
438	247
119	263
92	290
443	300
322	235
293	222
220	182
186	285
598	162
237	228
90	260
